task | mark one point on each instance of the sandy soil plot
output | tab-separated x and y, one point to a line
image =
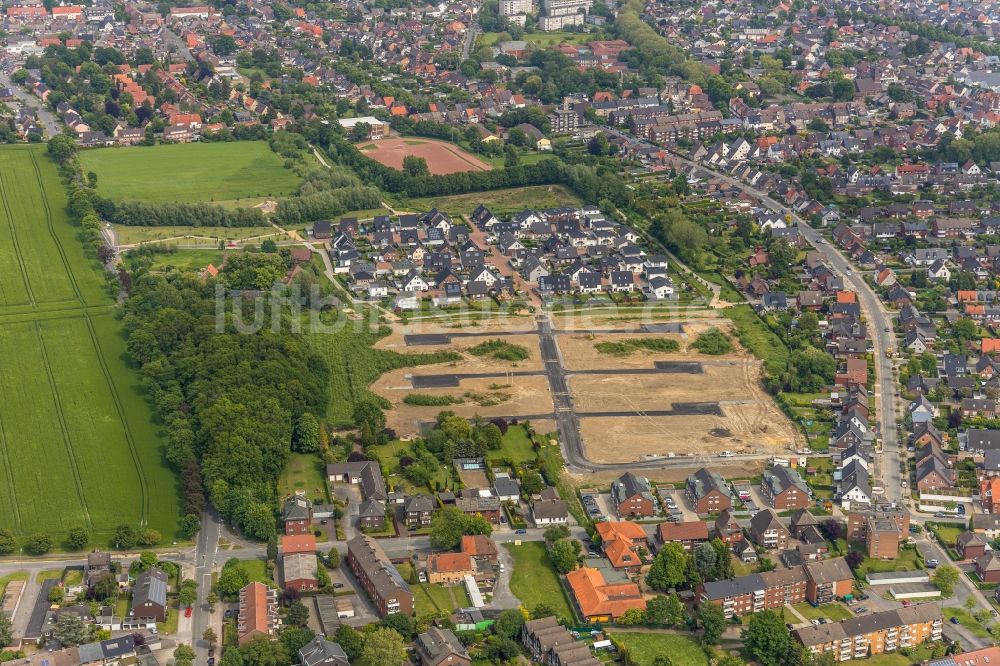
592	393
742	428
442	158
528	395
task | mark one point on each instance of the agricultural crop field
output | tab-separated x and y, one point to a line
190	172
77	439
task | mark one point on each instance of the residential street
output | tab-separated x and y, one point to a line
45	117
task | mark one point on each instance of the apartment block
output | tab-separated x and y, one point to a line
820	582
887	631
383	583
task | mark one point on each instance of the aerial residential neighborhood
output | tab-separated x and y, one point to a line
568	332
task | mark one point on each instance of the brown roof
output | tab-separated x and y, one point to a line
690	530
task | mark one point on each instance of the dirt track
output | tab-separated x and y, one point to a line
442	158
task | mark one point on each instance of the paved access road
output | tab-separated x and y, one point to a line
30	102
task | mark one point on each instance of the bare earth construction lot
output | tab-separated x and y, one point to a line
630	407
442	157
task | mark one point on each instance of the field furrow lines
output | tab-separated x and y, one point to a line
79	444
14	249
61	417
52	233
43	479
120	410
47	274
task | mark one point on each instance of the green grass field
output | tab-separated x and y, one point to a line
643	648
207	236
434	598
190	172
188	260
304	472
534	581
77	442
354	364
516	446
499	201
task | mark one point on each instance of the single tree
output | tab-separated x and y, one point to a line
383	647
712	620
298	614
38	544
209	636
78	538
669	568
766	639
70	630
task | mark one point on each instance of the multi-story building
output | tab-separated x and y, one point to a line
881	529
387	589
258	612
448	568
828	580
868	635
783	488
297	514
563	119
633	496
515	7
708	492
819	582
689	533
767	530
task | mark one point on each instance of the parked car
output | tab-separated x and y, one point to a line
187	612
520	531
954	620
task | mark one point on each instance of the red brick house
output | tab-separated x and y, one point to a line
708	492
988	567
970	545
633	496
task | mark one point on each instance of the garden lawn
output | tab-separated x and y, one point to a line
947	534
966	619
257	569
905	561
304	472
534	581
190	172
516	446
643	648
432	598
833	612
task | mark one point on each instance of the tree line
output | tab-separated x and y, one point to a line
143	214
590	183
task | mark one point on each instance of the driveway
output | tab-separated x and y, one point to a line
502	596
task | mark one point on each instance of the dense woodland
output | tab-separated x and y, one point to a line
227	399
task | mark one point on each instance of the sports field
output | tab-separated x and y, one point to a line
77	442
442	157
190	172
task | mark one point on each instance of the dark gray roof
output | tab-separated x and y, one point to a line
150	586
733	587
321	651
